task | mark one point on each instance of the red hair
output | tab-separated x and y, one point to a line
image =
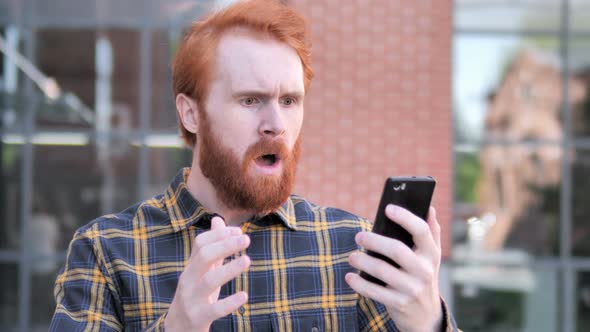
194	63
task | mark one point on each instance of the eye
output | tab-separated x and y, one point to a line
288	101
249	101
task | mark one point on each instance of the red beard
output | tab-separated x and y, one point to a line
235	186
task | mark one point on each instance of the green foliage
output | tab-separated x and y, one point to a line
467	171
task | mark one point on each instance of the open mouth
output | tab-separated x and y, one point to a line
267	160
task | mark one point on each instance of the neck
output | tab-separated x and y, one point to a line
203	191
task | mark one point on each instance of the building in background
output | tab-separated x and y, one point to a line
520	104
92	128
525	108
488	96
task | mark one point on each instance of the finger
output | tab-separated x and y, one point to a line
218	277
388	297
212	255
217	222
215	235
393	249
417	227
434	226
389	274
216	252
228	305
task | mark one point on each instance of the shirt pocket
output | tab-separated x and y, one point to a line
319	321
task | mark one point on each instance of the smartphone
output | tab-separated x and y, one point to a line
413	193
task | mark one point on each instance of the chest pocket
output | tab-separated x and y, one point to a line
319	321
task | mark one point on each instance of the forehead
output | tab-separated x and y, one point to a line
245	61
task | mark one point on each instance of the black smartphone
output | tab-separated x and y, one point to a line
413	193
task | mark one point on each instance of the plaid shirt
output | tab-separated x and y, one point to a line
122	270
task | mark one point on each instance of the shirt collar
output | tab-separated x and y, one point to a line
184	210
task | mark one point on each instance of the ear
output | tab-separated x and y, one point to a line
187	112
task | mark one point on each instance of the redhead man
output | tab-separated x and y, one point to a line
227	247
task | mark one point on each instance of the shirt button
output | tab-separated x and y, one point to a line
315	329
242	310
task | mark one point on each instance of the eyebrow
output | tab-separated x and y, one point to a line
258	93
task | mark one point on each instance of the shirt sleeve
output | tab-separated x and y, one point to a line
84	301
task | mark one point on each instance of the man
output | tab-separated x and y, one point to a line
227	247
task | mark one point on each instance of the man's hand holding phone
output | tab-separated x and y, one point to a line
411	294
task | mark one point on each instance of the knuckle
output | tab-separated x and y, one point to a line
414	292
436	226
437	261
203	257
438	253
395	248
199	241
404	303
218	309
382	272
423	229
208	280
371	292
428	271
429	276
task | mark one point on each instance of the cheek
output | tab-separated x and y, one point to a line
295	125
238	138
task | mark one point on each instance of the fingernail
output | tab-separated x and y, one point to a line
360	238
392	209
218	220
244	261
348	277
243	240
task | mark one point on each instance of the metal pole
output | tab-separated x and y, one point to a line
145	87
568	298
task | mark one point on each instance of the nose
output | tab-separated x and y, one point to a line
272	124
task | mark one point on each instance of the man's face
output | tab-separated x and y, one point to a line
248	137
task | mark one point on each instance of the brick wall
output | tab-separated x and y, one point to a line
380	102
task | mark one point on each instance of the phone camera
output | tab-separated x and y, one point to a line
401	186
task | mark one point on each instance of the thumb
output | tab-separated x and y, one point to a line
217	223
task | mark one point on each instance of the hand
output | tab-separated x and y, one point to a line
195	305
411	295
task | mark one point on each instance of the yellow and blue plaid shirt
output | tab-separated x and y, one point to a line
122	270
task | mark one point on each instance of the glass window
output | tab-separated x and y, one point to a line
42	303
581	209
506	88
507	15
579	15
76	184
497	298
97	72
583	301
512	188
9	297
580	85
8	11
165	163
13	102
86	12
163	100
10	193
